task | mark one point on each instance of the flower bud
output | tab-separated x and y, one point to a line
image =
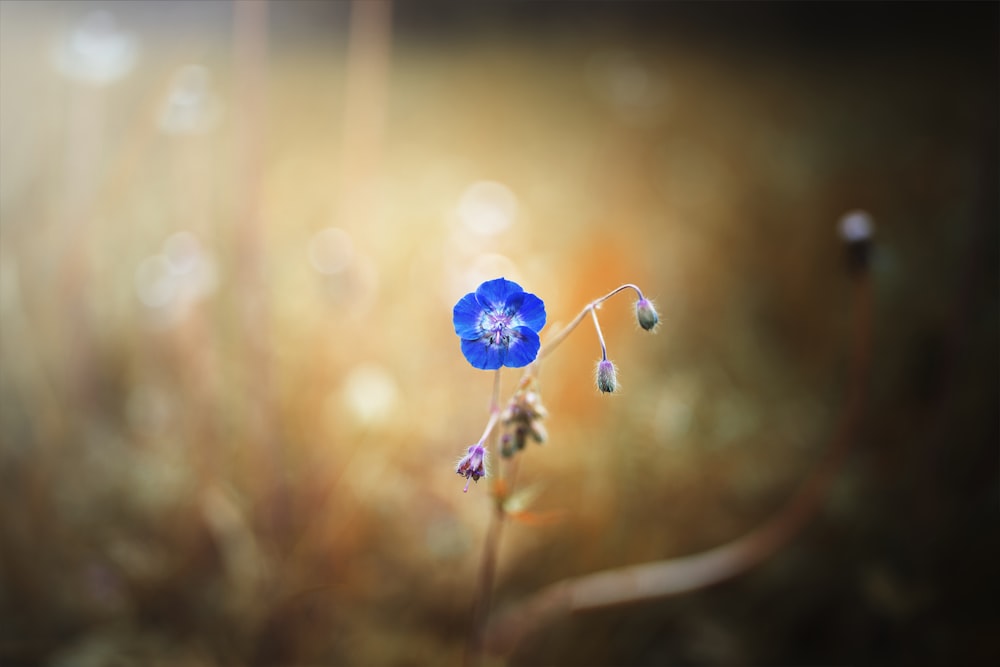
607	376
472	466
646	314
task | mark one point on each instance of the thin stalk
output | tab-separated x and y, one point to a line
487	567
494	408
615	291
495	399
600	336
659	579
494	417
551	345
484	591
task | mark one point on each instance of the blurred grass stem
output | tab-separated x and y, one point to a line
365	99
487	567
250	56
674	576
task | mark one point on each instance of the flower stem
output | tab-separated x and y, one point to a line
548	347
484	588
615	291
495	400
487	567
674	576
600	336
494	408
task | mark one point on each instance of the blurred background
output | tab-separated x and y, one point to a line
231	397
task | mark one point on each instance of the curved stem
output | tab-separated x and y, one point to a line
616	290
551	345
674	576
600	336
487	570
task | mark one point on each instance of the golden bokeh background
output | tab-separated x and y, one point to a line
231	397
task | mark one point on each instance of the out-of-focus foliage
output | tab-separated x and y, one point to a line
230	391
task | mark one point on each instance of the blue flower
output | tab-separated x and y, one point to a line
499	325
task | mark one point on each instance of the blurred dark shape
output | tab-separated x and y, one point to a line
856	232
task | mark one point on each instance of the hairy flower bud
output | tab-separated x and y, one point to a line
472	466
646	314
607	376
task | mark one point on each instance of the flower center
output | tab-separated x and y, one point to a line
496	326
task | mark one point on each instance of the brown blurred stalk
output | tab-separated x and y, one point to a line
368	49
250	56
680	575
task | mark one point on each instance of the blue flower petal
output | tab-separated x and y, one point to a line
532	312
523	348
481	354
514	301
466	317
493	294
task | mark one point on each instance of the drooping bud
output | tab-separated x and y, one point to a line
646	314
607	376
472	466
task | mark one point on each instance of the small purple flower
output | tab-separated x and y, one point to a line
499	325
472	466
